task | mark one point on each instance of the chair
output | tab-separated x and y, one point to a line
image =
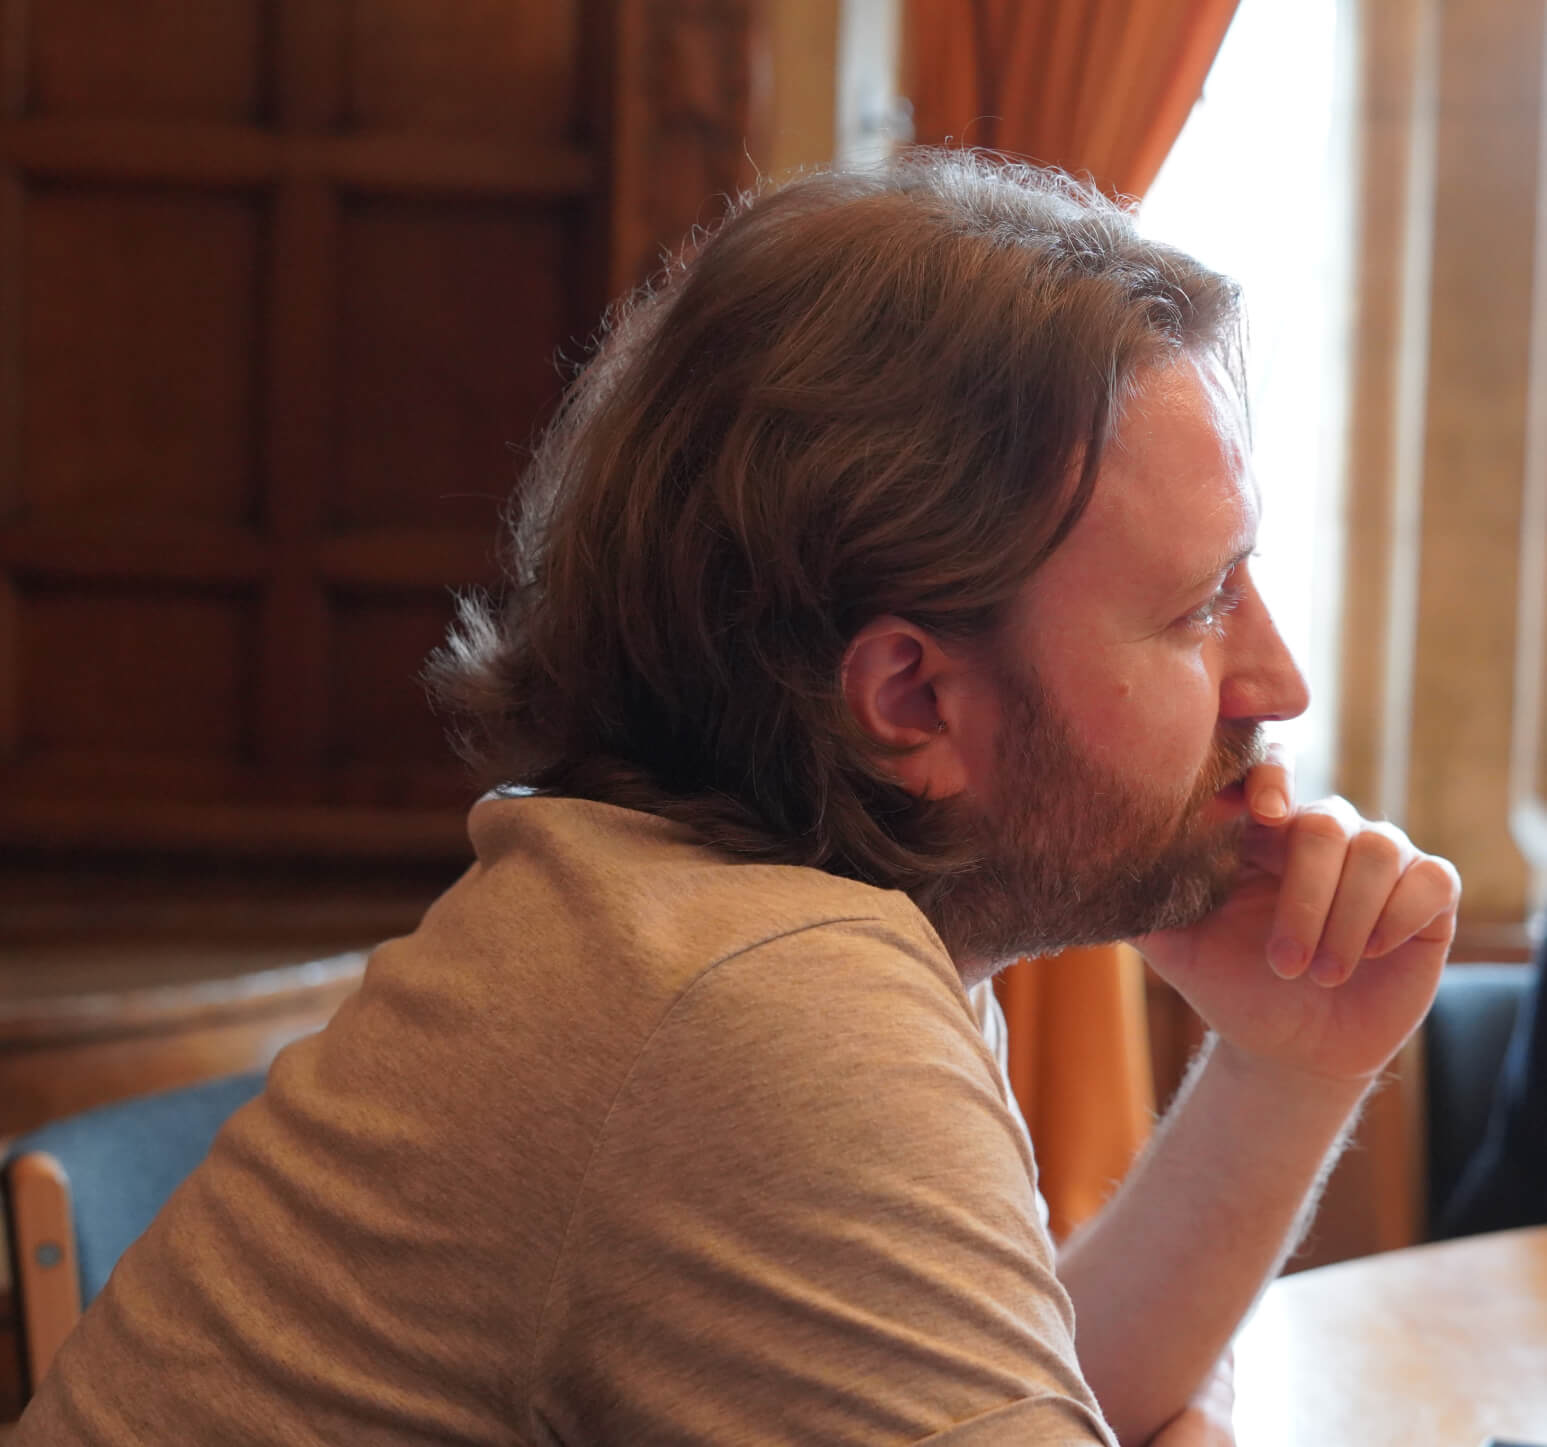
1465	1036
78	1191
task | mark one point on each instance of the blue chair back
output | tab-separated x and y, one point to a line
123	1160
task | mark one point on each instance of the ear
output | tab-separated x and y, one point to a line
899	684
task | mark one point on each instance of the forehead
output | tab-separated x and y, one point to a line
1174	500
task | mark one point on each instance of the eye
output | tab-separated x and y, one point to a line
1209	617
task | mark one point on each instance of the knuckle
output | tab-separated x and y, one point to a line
1322	826
1377	847
1438	874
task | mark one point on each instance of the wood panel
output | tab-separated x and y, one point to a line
162	58
466	67
688	113
100	666
374	726
291	279
453	318
139	351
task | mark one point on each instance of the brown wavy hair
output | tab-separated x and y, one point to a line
861	394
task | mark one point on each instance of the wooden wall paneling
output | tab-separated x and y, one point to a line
66	544
453	316
161	58
310	37
688	114
166	672
10	413
140	348
302	393
593	108
13	57
11	291
314	265
10	691
239	831
302	367
162	153
406	557
464	68
386	747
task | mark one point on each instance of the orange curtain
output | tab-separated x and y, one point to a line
1100	87
1080	1069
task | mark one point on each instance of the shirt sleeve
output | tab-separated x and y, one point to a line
811	1218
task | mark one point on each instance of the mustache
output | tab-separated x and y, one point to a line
1237	751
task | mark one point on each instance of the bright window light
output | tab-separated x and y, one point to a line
1259	187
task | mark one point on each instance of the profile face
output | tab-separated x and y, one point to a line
1136	668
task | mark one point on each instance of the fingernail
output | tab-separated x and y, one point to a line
1326	970
1271	804
1287	957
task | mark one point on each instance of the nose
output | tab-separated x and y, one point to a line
1262	682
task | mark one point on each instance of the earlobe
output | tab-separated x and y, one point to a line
896	681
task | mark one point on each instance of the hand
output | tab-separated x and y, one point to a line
1327	954
1206	1421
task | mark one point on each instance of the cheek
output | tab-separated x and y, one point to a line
1155	714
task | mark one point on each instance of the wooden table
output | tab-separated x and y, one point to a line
1433	1346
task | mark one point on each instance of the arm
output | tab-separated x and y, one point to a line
1163	1276
1208	1419
1204	1219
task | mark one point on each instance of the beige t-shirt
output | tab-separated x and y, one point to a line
628	1143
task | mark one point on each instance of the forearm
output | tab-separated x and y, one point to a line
1162	1277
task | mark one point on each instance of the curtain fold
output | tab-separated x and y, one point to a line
1099	87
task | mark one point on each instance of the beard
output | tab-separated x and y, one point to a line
1073	854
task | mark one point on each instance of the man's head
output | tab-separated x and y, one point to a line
1098	741
866	400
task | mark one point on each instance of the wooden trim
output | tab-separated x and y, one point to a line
309	46
408	558
626	236
594	123
167	1009
47	1268
245	156
239	830
212	555
12	289
292	712
181	551
13	57
151	925
10	672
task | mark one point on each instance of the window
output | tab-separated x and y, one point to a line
1259	187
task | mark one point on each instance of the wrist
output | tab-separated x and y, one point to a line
1258	1073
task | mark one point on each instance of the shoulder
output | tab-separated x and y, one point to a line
810	1187
651	896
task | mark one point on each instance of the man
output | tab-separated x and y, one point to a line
881	609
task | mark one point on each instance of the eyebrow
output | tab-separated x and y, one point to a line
1207	576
